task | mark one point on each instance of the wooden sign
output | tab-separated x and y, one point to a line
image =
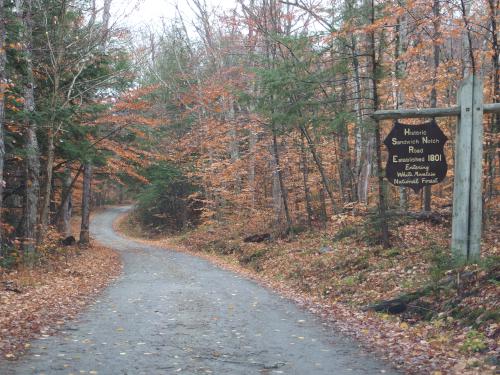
416	155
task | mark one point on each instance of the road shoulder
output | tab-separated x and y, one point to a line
37	302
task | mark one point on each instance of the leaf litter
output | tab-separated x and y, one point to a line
51	294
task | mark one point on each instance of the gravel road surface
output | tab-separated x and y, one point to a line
171	313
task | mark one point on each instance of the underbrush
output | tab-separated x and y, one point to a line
171	202
51	253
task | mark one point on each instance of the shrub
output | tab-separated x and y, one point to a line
167	203
474	342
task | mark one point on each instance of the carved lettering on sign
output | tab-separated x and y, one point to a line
416	155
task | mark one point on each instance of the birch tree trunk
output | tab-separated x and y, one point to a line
359	114
32	162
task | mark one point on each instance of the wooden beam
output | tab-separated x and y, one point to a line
394	114
491	108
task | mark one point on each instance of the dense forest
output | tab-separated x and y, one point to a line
248	125
261	115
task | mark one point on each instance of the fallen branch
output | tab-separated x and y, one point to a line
400	304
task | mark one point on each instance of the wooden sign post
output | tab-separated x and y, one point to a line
467	189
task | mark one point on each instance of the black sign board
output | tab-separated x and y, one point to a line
416	155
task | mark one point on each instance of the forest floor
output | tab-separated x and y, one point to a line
452	328
38	301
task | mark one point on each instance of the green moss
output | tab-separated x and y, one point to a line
391	253
474	342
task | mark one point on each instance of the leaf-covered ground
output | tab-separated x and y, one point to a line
453	328
37	301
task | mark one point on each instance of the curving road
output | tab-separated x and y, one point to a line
171	313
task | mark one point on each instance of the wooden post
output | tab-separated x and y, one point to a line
476	174
467	190
461	187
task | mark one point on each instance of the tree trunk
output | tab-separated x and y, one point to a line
251	170
345	155
305	177
357	104
363	178
322	207
494	6
427	195
275	190
373	63
121	194
366	170
63	222
66	193
3	80
317	161
106	16
469	61
87	181
47	189
398	93
283	191
234	148
57	56
87	167
32	162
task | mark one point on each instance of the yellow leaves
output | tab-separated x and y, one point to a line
16	46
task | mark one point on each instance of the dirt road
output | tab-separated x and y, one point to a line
171	313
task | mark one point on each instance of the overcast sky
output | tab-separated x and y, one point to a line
138	14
